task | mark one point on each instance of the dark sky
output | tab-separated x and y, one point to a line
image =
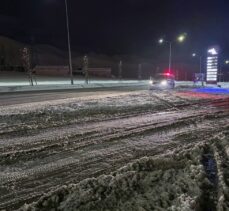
117	26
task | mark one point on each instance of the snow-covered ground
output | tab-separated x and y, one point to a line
160	150
14	82
65	85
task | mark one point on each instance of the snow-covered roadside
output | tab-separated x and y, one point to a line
176	181
171	182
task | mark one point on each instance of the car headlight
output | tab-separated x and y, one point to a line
164	83
150	82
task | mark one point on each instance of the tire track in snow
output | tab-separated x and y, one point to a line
46	160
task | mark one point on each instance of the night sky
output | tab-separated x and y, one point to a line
117	26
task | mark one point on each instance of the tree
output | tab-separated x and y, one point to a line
26	62
120	70
85	69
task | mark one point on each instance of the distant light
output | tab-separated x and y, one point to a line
164	83
227	62
168	74
194	54
151	82
182	37
213	51
161	41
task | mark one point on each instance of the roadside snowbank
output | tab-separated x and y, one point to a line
169	182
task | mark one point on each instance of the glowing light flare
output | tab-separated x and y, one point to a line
168	72
212	51
164	83
161	41
182	37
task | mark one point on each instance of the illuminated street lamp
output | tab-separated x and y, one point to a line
225	63
180	39
194	55
161	41
200	58
69	43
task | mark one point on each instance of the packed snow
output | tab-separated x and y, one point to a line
141	150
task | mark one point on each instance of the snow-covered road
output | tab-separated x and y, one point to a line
46	145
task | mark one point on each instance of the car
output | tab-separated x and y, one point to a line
162	81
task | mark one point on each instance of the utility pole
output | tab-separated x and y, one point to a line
170	56
201	74
69	43
180	39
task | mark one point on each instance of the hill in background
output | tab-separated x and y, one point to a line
48	55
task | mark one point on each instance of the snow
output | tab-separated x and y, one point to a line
19	83
65	85
136	150
164	183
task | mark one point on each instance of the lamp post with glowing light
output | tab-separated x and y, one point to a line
226	63
200	70
161	41
180	39
200	58
69	43
221	75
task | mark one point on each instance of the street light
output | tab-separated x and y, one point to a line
200	58
69	43
226	63
161	41
194	54
180	39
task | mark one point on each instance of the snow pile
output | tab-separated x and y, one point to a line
221	154
169	182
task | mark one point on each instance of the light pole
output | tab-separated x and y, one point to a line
221	74
200	60
200	70
226	63
161	41
69	43
180	39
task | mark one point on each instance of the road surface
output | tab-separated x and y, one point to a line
48	140
12	98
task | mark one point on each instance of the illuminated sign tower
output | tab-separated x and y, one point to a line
212	65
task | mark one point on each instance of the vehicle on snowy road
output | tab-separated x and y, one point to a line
162	81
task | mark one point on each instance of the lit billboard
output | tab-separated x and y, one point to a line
212	65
